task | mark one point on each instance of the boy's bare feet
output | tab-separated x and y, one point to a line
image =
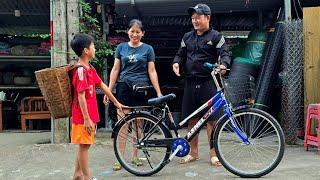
78	176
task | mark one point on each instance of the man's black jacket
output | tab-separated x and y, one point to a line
195	50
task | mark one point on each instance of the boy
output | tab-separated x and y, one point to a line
84	106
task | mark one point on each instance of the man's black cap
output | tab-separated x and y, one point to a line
200	9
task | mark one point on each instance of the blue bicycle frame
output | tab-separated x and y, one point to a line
215	103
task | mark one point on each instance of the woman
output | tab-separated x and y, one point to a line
134	62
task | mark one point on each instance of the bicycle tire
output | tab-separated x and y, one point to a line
161	128
227	163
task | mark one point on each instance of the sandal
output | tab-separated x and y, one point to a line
137	162
188	159
215	161
116	166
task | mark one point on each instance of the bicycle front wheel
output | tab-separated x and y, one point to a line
136	156
261	155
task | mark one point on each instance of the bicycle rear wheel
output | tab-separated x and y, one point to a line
139	158
265	150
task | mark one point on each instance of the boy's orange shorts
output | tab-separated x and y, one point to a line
79	135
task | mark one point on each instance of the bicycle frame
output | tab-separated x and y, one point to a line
215	103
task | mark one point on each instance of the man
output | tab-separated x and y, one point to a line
201	45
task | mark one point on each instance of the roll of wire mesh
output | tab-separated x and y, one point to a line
292	89
270	64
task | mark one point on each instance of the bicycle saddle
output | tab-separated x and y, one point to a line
161	100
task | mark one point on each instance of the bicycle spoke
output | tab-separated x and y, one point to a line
267	135
125	136
264	151
239	126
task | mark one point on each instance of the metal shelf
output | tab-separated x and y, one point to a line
17	87
25	58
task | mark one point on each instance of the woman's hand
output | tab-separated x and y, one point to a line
175	68
105	100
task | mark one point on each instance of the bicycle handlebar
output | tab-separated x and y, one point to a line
215	70
214	67
210	66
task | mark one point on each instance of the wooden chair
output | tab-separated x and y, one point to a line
33	108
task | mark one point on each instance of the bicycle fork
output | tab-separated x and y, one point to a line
241	135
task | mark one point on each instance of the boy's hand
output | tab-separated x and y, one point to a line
89	126
105	100
120	106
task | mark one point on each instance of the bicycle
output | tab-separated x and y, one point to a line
240	135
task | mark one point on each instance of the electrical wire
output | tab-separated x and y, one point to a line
300	5
295	8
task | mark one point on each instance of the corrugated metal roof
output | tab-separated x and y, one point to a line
34	13
226	14
179	7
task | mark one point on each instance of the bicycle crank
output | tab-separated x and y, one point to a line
180	147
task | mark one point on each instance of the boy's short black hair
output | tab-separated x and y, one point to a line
81	41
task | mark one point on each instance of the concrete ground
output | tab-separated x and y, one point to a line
29	156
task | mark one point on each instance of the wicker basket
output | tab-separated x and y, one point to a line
55	86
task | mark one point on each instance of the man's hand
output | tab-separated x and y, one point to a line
223	69
105	100
175	68
89	126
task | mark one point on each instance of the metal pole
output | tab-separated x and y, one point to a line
105	29
287	10
51	54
